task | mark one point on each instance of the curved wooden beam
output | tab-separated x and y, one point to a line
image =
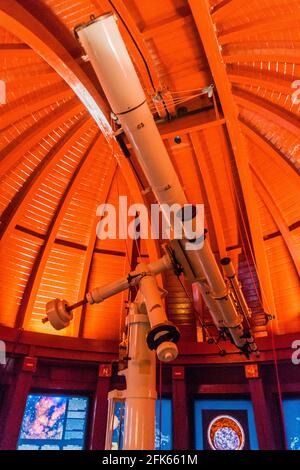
29	103
273	113
268	150
30	137
17	205
16	19
264	55
271	83
261	26
207	33
276	215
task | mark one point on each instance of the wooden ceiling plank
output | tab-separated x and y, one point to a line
268	150
275	212
17	206
37	271
31	137
226	9
207	33
15	51
165	26
30	103
273	84
210	192
261	26
16	19
79	318
291	57
279	116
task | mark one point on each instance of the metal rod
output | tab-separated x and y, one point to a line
69	308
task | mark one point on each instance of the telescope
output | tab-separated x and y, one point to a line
150	331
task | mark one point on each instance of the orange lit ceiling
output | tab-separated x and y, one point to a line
239	152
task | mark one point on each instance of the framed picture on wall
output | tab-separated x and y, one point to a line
225	430
291	409
54	422
224	425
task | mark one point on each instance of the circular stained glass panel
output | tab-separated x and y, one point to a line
225	433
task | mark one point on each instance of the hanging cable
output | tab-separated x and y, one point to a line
176	101
136	45
281	409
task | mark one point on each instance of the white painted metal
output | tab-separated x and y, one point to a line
99	294
161	265
114	397
108	59
106	50
57	314
140	394
230	273
156	312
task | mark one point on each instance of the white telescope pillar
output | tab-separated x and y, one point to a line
140	394
166	350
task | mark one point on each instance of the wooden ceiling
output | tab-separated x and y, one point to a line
239	152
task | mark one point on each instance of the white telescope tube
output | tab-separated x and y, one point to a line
215	293
161	265
106	50
230	273
211	304
211	271
109	57
99	294
140	393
